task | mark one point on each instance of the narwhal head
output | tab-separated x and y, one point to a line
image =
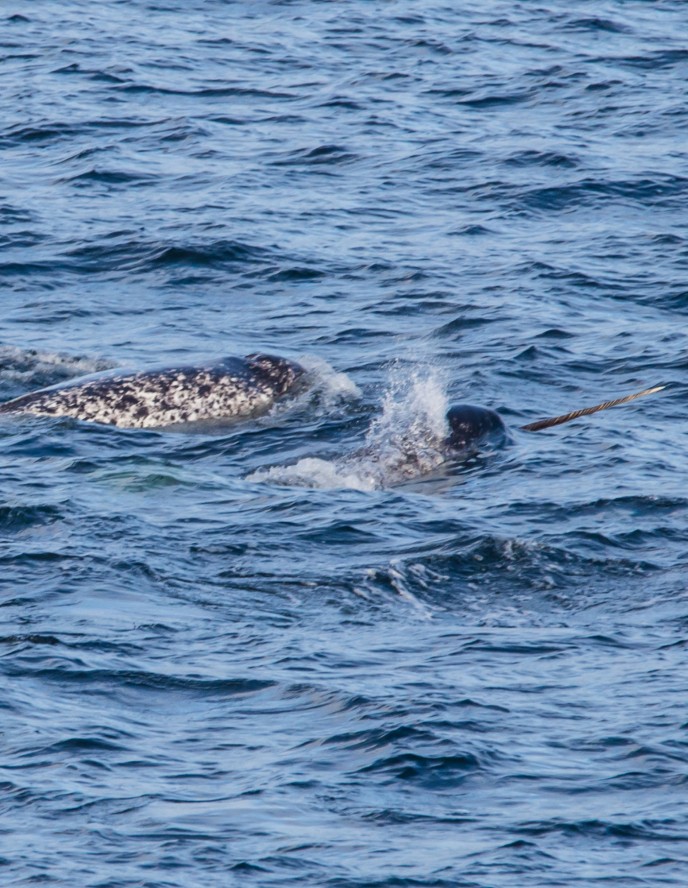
278	373
470	427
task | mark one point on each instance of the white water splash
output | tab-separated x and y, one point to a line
315	472
324	391
403	443
328	387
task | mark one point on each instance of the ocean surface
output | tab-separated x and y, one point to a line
269	654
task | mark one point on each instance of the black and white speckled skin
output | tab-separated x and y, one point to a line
232	387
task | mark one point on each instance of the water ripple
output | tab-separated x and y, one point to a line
311	649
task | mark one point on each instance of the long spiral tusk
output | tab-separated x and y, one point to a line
547	423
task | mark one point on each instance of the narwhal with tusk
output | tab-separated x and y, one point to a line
238	387
469	426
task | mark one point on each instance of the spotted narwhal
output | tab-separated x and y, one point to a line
231	387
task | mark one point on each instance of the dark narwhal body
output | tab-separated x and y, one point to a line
471	427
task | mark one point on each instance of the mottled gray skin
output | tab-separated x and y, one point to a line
232	387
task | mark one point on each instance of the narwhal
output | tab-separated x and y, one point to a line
469	426
238	387
169	396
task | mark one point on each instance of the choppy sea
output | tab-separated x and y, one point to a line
260	656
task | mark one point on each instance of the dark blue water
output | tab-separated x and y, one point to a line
246	658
